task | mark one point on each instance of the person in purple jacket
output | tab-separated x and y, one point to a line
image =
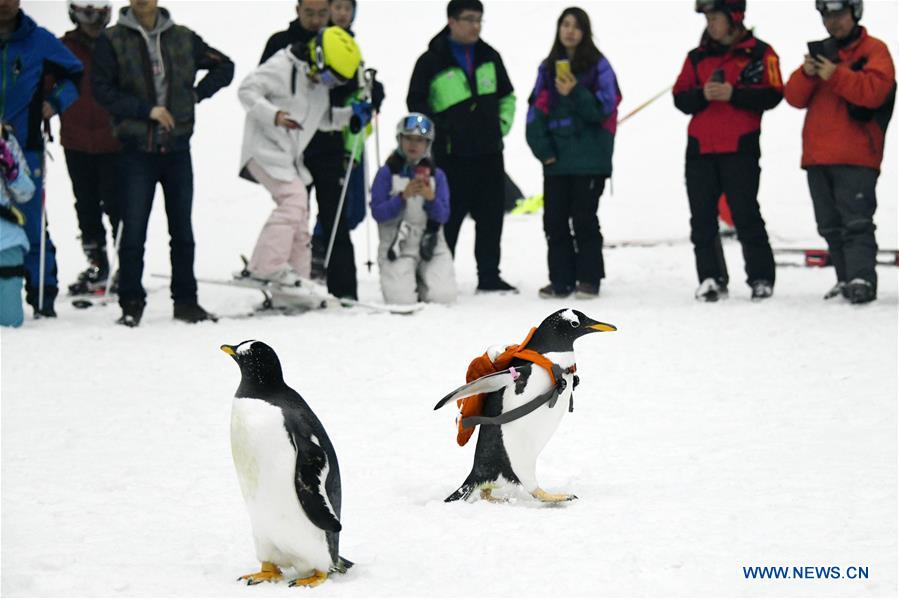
410	202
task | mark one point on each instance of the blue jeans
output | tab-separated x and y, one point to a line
141	171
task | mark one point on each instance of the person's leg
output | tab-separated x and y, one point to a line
585	222
827	217
110	189
487	212
177	180
11	279
284	239
740	181
703	190
560	254
437	277
87	180
856	200
460	183
140	172
32	212
327	173
398	280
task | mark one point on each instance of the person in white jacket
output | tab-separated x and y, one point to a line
286	99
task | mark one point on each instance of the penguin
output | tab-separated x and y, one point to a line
288	472
507	453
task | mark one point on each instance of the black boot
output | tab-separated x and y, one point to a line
132	310
47	310
193	313
92	280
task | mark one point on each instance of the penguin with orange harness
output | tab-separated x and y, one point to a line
518	395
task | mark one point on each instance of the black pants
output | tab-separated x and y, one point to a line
736	175
477	187
96	188
571	225
141	171
845	200
327	174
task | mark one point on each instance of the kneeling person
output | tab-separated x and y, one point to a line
410	201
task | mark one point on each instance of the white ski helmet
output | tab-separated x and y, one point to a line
826	6
417	124
90	12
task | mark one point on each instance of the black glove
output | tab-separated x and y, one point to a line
377	95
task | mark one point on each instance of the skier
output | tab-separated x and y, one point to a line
849	96
726	84
410	201
286	99
91	149
571	130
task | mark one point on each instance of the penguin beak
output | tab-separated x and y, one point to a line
601	327
229	350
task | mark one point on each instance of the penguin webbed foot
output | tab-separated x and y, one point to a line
268	573
543	496
314	580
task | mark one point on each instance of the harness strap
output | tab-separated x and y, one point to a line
550	398
12	272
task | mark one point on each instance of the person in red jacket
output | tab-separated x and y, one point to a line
91	149
848	89
725	85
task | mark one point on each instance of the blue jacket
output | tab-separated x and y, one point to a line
18	191
29	53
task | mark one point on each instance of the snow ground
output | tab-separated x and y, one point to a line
705	438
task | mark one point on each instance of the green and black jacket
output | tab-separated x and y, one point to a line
123	84
471	114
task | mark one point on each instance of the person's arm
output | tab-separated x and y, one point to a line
259	85
800	88
506	94
420	88
868	87
439	209
105	84
597	108
760	86
385	207
220	69
536	132
64	70
687	91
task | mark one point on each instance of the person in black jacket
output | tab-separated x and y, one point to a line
143	74
461	83
323	156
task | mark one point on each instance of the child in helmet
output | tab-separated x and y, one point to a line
410	201
286	99
15	188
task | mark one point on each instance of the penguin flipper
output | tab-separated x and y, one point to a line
486	384
309	482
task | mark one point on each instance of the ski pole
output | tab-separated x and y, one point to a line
369	81
338	214
42	269
115	258
644	104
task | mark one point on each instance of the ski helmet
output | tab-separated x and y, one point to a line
90	12
828	6
416	124
335	56
734	9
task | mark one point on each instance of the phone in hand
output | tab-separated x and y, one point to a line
423	173
717	76
826	48
563	68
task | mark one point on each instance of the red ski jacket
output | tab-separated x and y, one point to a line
865	77
752	67
86	126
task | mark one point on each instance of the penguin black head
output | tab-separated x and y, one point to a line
259	365
560	329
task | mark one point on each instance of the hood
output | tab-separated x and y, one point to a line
163	21
25	28
440	41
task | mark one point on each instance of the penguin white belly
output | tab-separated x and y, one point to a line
526	437
265	461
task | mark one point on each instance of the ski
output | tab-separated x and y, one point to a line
821	258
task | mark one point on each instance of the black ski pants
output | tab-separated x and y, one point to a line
571	225
845	200
96	187
737	175
327	174
477	187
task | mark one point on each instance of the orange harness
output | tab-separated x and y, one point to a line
482	366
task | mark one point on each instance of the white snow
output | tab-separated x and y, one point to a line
705	438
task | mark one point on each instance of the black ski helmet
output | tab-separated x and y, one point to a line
734	9
826	6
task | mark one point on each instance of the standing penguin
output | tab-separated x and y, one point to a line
519	404
287	470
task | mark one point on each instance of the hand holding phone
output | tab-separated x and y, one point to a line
563	69
717	76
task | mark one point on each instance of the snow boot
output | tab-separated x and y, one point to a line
586	291
193	313
495	285
92	280
549	292
132	311
761	289
837	290
711	290
861	291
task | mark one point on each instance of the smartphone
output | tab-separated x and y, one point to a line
563	68
717	76
826	48
423	172
816	49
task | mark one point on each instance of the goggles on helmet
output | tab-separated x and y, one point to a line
418	124
826	6
90	15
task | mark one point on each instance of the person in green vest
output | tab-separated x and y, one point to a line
571	126
462	85
144	69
